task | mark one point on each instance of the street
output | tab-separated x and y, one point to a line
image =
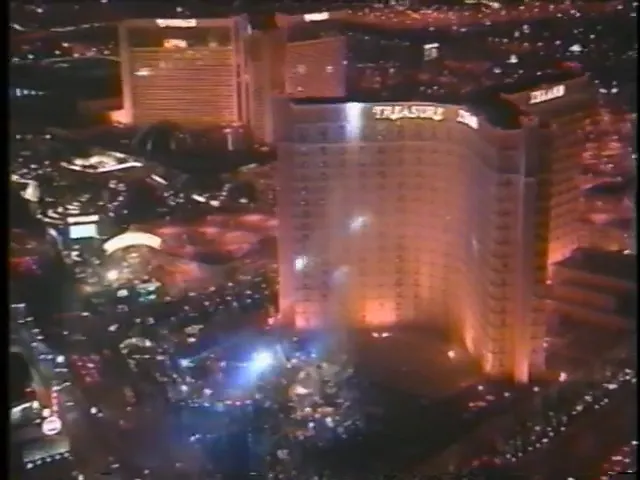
584	447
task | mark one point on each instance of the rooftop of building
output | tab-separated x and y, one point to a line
220	18
616	265
435	64
485	101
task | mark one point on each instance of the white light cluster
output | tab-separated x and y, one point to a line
316	17
300	263
354	119
357	223
468	119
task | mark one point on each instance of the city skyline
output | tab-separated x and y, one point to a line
323	242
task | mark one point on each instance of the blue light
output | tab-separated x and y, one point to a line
262	360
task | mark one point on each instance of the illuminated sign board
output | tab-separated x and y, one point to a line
51	426
177	22
83	230
546	95
315	17
83	219
468	119
398	112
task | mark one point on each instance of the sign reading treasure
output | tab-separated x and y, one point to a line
398	112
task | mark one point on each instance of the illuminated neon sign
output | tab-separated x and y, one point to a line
315	17
468	119
546	95
176	22
398	112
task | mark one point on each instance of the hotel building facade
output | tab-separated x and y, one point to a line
395	213
199	72
266	60
187	71
328	53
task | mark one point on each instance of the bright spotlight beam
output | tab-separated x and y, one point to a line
262	361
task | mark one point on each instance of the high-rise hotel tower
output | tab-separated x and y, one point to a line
432	211
188	71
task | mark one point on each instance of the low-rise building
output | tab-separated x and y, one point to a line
597	286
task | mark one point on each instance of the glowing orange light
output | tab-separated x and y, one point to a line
175	43
380	313
120	117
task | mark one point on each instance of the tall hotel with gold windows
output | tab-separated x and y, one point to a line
188	71
315	55
448	213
